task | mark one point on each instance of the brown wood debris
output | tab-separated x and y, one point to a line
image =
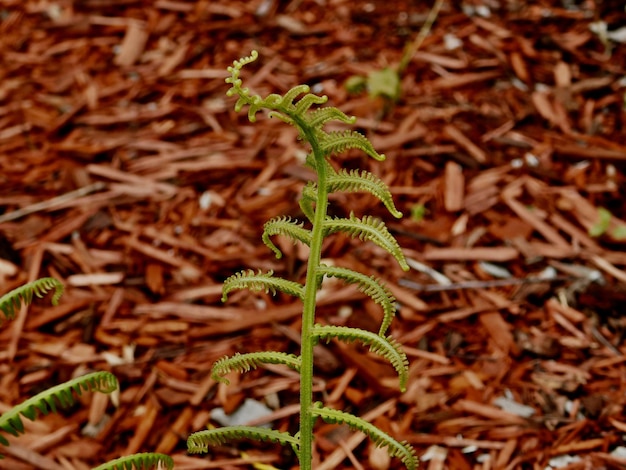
127	175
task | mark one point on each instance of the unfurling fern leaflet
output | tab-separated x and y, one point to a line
369	285
198	442
381	345
355	180
368	228
62	395
402	450
284	226
294	108
142	461
11	301
340	141
244	362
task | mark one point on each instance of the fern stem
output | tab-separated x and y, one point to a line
308	315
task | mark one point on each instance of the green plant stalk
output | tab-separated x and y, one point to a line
308	315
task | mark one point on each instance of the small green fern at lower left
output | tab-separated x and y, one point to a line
11	301
65	394
50	399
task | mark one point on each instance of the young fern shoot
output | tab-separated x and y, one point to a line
314	204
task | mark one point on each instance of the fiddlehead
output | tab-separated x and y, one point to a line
340	141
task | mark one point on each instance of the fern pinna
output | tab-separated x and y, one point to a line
314	204
67	393
23	295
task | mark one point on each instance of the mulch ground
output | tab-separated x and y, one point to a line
127	175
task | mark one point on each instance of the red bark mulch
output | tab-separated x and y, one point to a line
127	174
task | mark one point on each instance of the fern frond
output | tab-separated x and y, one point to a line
339	141
321	116
385	347
368	228
199	442
282	116
354	180
306	102
12	301
48	400
286	102
295	110
259	281
142	461
402	450
272	101
245	362
370	286
309	197
284	226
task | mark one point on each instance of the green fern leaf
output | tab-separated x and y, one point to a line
354	180
369	285
272	101
311	162
142	461
46	401
368	228
283	117
12	301
339	141
248	279
286	102
385	347
306	102
199	442
256	104
245	362
234	79
309	197
321	116
284	226
402	450
282	107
